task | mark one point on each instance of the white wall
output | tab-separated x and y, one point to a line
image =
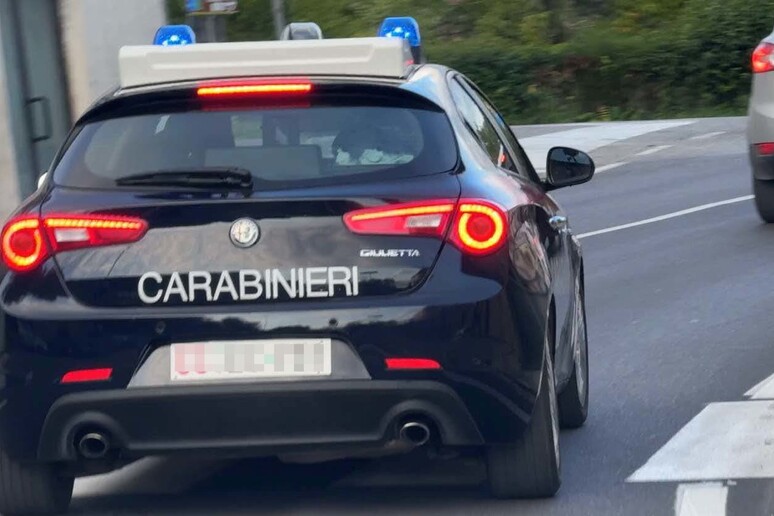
9	185
92	32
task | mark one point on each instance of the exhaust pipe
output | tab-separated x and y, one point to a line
93	445
415	433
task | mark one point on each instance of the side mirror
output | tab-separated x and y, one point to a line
42	179
567	167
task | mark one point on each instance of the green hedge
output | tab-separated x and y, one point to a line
697	66
636	64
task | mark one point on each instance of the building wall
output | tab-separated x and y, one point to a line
92	33
9	185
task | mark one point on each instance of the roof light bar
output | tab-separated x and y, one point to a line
360	57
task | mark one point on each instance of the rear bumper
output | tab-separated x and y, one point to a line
485	331
762	166
255	419
760	125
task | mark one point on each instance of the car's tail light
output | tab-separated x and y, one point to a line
67	233
28	241
430	218
765	149
22	244
477	227
763	58
411	364
251	89
87	375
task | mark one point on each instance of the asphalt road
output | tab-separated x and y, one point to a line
678	313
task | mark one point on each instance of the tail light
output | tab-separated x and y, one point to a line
423	218
763	58
22	244
765	149
67	233
477	226
87	375
27	241
411	364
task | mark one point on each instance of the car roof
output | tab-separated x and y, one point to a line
424	80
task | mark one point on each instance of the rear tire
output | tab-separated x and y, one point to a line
27	489
764	199
574	399
531	467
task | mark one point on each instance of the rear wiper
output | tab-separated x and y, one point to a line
208	177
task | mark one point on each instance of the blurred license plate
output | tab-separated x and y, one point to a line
251	359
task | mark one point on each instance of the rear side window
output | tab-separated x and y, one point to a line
477	122
283	146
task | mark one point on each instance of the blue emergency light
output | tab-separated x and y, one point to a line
407	28
404	27
174	35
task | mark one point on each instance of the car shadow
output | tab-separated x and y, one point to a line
399	485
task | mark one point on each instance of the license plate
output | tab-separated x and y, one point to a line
250	359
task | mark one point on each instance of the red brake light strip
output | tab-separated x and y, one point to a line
253	89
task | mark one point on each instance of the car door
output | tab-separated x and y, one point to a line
558	244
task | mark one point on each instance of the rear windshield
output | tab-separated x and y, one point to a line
282	147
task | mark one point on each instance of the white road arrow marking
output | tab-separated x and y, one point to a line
725	441
763	390
706	499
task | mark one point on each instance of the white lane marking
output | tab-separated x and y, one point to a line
705	499
707	136
666	217
589	138
653	150
762	390
611	166
724	441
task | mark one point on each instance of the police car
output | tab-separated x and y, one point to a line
309	249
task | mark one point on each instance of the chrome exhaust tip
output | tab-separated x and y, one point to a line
415	433
93	445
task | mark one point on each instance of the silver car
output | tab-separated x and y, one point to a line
760	129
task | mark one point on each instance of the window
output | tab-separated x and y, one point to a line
477	122
522	164
320	143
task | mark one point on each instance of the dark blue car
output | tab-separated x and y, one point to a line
232	259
